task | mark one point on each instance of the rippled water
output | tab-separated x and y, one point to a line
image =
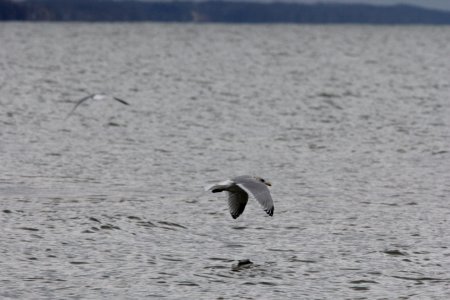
351	125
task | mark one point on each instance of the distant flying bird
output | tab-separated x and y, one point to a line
96	97
239	188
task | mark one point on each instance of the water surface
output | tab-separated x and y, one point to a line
350	124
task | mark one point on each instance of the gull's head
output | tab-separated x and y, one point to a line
263	181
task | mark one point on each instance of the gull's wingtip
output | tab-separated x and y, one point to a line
270	211
121	101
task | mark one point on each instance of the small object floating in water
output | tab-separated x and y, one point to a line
96	97
395	252
238	189
241	264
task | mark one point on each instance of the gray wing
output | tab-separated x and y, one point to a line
236	202
259	190
79	102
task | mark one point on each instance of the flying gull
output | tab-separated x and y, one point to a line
239	188
96	97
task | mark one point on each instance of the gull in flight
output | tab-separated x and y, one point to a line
96	97
239	188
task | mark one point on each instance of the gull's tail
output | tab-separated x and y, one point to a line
219	187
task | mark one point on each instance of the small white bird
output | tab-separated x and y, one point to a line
96	97
238	189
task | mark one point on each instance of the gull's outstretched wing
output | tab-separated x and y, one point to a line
121	101
236	202
95	97
259	190
79	102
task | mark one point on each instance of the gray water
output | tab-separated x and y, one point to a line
350	124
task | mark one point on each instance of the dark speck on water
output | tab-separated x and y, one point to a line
395	252
241	264
29	228
244	262
78	262
350	123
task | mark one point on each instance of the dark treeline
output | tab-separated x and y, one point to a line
216	11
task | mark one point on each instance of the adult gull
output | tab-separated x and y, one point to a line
239	188
96	97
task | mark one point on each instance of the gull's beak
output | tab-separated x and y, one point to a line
268	183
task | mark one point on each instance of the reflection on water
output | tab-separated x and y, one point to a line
350	124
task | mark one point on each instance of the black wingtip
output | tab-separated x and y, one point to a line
270	211
234	216
217	191
121	101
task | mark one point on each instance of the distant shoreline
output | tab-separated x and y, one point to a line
222	23
219	12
